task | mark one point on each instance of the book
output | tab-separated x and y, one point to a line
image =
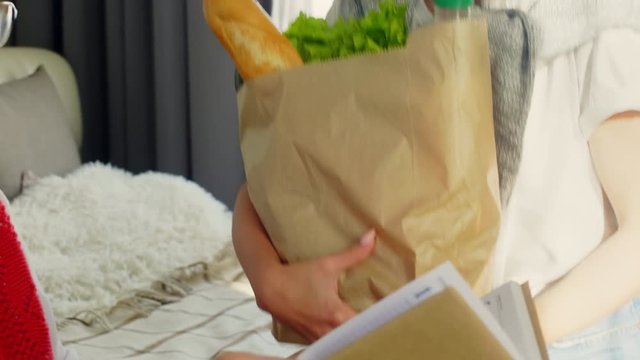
438	316
512	306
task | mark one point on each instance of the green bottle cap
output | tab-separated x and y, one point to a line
453	4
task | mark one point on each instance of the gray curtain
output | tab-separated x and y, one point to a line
157	89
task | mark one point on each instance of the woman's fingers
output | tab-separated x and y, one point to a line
342	314
307	298
343	261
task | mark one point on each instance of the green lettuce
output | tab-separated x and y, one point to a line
379	30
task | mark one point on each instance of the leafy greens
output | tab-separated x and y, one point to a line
379	30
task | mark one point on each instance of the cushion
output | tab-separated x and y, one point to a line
35	133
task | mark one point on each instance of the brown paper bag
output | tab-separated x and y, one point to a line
401	141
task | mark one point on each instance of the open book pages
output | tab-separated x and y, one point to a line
512	305
430	286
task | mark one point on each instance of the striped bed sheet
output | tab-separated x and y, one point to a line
215	316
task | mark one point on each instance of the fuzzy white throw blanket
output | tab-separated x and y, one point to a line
98	234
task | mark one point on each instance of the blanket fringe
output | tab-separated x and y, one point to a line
172	288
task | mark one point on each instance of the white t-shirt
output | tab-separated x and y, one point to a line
284	12
556	215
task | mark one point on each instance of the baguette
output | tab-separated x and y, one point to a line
252	41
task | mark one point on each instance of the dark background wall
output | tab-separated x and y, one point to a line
157	88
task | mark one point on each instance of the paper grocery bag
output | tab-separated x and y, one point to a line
402	142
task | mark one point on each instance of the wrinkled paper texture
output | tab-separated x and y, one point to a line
402	142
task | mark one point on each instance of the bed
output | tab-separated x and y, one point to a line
135	266
216	315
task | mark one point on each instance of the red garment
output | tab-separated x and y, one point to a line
24	334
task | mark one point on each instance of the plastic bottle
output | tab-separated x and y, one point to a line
452	10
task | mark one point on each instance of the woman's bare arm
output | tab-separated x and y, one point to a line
608	278
254	249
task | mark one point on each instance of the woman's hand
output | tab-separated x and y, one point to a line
304	296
